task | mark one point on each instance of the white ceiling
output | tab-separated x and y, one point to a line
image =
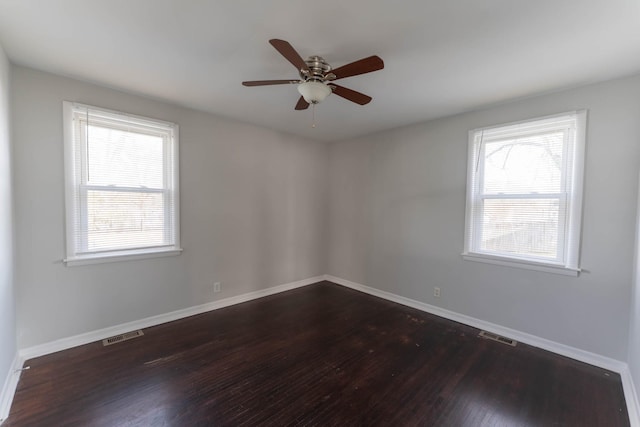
441	57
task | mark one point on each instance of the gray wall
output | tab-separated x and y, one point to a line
7	299
253	215
396	220
634	329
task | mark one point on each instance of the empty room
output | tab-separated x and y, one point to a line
364	213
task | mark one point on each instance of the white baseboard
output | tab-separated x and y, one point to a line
9	387
88	337
631	397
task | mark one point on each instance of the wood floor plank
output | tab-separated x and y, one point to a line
319	355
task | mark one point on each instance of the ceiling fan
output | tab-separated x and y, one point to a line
317	76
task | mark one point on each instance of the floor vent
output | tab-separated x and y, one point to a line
122	337
499	338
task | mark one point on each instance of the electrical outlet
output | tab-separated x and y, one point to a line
217	287
436	292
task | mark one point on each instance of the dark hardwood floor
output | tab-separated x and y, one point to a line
319	355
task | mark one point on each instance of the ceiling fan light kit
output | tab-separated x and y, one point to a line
317	76
314	92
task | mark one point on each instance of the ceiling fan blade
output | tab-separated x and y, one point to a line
269	82
362	66
302	104
351	95
289	53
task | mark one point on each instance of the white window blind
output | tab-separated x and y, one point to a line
524	193
122	184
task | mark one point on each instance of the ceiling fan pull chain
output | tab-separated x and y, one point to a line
313	115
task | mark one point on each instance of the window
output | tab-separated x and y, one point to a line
121	185
524	193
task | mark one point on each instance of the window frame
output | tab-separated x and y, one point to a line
569	198
76	185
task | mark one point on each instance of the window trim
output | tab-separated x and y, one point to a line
74	185
573	214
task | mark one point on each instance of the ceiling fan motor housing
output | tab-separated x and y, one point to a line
318	69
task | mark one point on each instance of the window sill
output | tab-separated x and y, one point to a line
527	265
120	256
